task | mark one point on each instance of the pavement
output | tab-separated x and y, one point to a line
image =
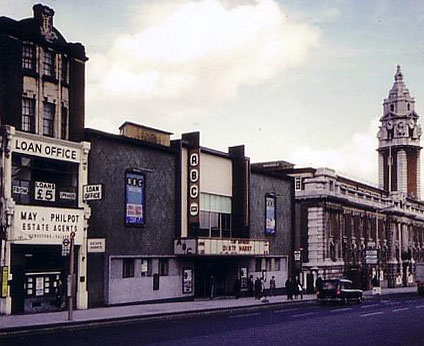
44	322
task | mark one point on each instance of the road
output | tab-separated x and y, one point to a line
390	320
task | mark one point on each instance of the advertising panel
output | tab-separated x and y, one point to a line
135	199
270	215
187	281
41	225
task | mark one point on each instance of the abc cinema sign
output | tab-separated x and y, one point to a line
194	184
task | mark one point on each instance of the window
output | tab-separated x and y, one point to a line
163	267
44	182
277	264
146	267
49	64
64	123
28	57
268	263
64	70
258	264
215	216
135	198
28	115
298	184
48	119
128	268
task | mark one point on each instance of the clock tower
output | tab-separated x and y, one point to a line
399	142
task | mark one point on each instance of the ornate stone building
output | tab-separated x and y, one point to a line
345	227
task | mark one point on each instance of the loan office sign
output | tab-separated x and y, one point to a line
48	150
39	225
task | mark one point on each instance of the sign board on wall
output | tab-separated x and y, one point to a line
41	225
4	284
96	245
184	246
187	281
92	192
270	215
44	149
193	185
135	192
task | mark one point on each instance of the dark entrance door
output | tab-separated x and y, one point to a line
216	270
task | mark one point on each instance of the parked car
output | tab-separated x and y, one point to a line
338	290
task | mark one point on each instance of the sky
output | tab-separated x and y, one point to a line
295	80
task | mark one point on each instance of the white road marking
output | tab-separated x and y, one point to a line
410	301
284	310
372	314
419	306
339	310
305	314
245	315
368	306
401	309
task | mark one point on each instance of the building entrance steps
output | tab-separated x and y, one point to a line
48	321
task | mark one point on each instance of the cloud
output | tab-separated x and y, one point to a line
201	50
357	156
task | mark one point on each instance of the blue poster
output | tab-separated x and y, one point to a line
270	215
135	198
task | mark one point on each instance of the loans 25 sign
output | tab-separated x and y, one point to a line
135	198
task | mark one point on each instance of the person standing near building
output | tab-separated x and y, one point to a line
318	283
299	288
272	286
258	285
250	285
289	289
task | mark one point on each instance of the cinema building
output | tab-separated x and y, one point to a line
43	163
175	214
345	227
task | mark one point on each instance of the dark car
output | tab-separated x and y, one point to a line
338	290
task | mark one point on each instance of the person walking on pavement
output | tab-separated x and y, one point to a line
250	286
272	286
258	288
318	283
289	289
299	288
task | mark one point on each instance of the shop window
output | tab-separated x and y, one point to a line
128	268
298	183
28	57
46	182
48	119
163	267
146	267
64	123
28	115
64	70
135	195
268	263
258	265
215	216
49	64
277	264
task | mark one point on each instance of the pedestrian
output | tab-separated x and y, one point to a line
299	288
212	287
250	286
258	288
318	283
60	298
236	288
289	289
272	286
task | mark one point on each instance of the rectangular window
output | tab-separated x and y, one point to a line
64	123
146	267
135	198
277	264
49	64
215	216
48	119
128	268
270	215
163	267
28	57
28	115
298	184
44	182
268	263
258	264
64	70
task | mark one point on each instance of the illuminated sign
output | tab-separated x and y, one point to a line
193	185
135	198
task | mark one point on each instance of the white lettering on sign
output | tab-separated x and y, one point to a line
40	225
194	191
194	209
67	195
45	191
194	175
38	148
194	159
95	192
20	190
